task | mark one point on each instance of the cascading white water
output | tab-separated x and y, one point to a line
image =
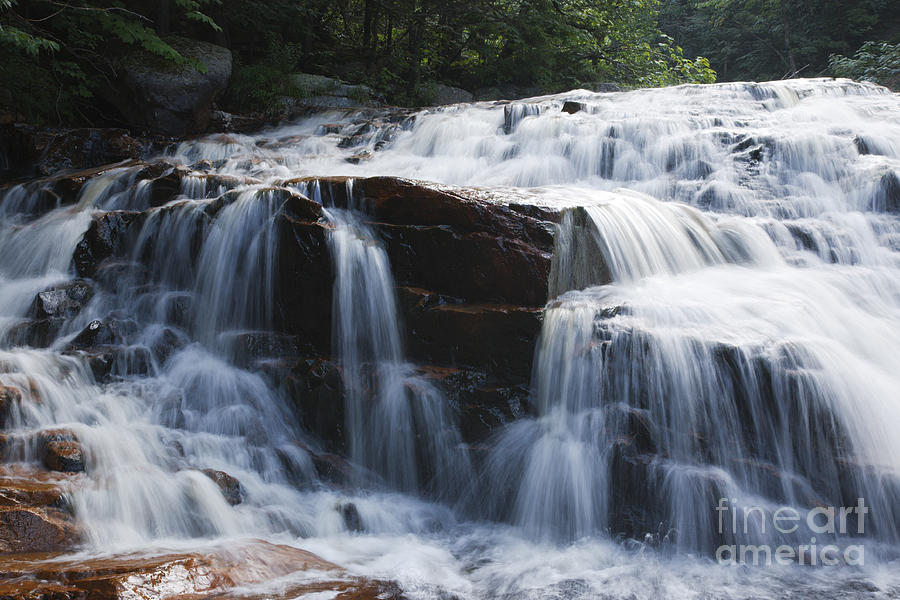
707	368
399	425
726	328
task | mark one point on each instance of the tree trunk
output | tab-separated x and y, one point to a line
786	26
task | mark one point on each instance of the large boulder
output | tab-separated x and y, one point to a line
318	91
169	98
445	94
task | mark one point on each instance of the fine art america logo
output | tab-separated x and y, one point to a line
787	523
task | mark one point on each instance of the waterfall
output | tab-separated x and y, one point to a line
720	332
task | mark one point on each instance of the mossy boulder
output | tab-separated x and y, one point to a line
169	98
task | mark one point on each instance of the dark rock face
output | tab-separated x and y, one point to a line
472	267
108	235
483	401
455	241
572	107
230	486
887	195
37	333
316	387
497	338
473	270
248	347
62	301
476	266
305	283
35	151
173	100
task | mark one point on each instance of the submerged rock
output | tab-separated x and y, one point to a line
887	195
230	486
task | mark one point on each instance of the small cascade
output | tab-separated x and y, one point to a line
627	236
174	406
399	425
237	265
691	365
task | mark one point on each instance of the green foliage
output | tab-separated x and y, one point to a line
402	48
19	39
58	54
261	86
774	39
874	61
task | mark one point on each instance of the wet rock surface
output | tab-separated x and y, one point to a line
36	151
34	514
106	237
245	570
230	486
60	450
62	301
498	338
